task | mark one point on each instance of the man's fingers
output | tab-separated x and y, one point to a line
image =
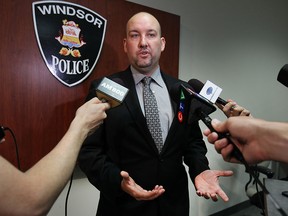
214	197
124	174
223	195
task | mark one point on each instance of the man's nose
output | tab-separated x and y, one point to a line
143	42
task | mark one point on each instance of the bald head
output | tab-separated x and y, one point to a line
142	18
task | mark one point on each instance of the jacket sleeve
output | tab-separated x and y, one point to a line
94	161
195	151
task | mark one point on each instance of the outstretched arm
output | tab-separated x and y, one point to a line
34	192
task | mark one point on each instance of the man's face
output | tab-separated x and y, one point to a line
143	43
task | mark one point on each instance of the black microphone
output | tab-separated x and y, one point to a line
191	106
2	132
199	108
111	91
283	75
197	85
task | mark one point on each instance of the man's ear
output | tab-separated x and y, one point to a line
163	43
124	45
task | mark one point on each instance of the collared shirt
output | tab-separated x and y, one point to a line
161	93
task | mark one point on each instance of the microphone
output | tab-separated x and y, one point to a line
199	108
2	132
197	85
112	92
283	75
191	106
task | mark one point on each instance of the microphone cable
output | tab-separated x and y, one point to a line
15	143
259	194
68	192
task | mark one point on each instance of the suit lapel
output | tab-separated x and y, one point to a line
132	103
170	82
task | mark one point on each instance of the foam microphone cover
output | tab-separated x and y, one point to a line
283	75
196	84
111	91
175	91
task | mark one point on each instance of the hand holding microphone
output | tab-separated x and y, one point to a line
221	139
230	108
111	91
223	145
259	140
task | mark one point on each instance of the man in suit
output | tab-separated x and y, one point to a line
121	158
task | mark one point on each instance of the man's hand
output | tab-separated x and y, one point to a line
207	184
129	186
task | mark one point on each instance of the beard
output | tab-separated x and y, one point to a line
143	64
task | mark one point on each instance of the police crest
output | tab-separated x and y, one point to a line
70	38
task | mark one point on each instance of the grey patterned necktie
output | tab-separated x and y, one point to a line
152	114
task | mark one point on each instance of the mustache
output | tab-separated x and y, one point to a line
143	51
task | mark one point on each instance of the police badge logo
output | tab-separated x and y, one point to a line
70	38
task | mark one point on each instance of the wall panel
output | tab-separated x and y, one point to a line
34	104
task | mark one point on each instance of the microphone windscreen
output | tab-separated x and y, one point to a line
111	91
189	103
196	84
175	90
283	75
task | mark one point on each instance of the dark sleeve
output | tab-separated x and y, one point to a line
94	161
195	153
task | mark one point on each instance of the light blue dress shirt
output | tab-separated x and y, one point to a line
161	93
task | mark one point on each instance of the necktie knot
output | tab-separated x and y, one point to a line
147	81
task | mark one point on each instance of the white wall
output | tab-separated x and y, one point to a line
240	46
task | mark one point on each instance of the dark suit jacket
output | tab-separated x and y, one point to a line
123	142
